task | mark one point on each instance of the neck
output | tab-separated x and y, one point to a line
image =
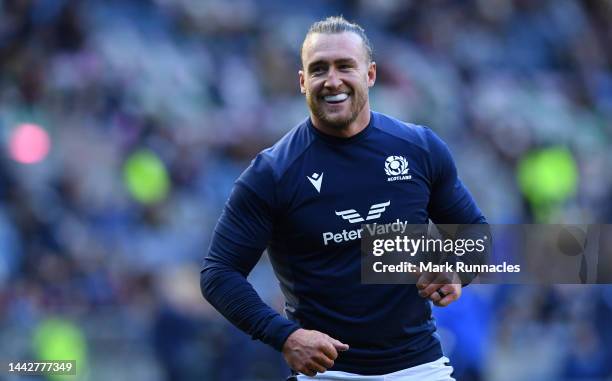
352	129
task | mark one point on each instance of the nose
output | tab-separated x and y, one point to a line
333	80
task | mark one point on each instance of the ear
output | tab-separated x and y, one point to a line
371	74
301	76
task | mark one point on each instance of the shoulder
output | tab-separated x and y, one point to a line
417	135
284	153
436	154
272	163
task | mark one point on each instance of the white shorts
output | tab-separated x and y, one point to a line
438	370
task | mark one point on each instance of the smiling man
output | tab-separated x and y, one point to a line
304	199
338	71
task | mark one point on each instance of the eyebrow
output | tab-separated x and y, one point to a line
314	64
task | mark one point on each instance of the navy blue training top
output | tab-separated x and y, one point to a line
304	199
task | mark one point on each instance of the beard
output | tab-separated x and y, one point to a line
337	121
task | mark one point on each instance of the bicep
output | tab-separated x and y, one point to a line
450	201
242	232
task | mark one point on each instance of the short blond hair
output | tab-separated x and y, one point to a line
338	24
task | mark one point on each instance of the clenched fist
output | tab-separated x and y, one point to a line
310	352
441	288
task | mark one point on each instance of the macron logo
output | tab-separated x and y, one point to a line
354	217
316	180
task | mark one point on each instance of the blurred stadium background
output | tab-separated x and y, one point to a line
123	125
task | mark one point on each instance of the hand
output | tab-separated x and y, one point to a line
310	352
441	288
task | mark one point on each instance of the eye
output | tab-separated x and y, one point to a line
344	67
317	70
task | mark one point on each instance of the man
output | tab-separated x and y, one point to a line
304	200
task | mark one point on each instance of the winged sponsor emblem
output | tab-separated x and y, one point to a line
374	213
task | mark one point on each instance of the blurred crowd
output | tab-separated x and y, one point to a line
203	86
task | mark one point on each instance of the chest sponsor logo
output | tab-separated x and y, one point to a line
352	216
350	235
396	168
374	213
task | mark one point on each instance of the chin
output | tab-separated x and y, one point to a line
338	117
335	117
337	123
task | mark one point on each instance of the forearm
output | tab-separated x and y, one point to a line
479	235
233	296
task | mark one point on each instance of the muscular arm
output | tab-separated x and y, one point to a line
240	237
238	241
451	203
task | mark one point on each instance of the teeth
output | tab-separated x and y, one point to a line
336	98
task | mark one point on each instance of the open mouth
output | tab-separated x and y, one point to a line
335	99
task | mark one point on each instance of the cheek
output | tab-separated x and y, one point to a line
314	87
359	81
